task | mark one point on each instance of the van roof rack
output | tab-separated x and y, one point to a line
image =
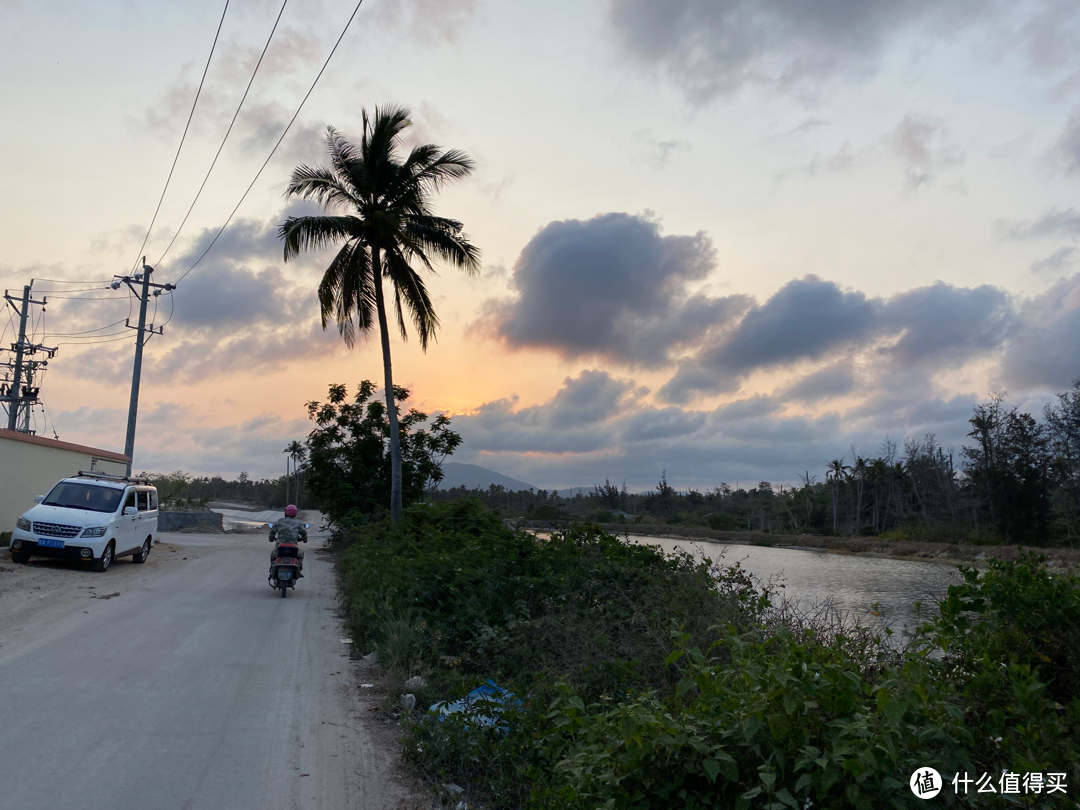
117	478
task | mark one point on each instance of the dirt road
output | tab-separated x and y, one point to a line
185	683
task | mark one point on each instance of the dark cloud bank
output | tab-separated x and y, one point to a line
713	47
617	291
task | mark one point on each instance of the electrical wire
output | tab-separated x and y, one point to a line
70	281
227	132
87	332
276	145
48	416
182	137
89	337
130	336
82	298
66	292
172	308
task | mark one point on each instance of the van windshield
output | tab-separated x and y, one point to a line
84	496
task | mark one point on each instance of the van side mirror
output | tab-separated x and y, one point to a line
39	498
130	510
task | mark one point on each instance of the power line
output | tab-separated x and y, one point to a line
83	298
78	289
87	337
127	336
86	332
227	132
70	281
184	136
276	145
172	308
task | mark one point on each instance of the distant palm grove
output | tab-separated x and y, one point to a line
1016	481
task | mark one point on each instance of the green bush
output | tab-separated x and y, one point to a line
656	682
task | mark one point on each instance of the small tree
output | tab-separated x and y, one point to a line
349	470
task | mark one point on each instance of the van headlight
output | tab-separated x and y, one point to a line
97	531
24	524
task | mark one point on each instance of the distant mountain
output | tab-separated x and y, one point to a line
473	476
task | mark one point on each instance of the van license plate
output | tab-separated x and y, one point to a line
50	542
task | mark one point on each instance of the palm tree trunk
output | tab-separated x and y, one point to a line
388	383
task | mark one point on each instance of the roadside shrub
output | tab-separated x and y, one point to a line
652	682
499	603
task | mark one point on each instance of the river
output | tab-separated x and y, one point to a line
852	583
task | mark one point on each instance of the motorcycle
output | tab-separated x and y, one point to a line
285	569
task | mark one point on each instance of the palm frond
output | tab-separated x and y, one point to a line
453	164
443	238
414	295
321	185
314	233
346	292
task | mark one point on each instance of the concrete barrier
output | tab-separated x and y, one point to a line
175	521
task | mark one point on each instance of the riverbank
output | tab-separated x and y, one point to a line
870	546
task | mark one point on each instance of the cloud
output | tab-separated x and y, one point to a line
237	310
827	382
432	21
924	150
804	320
172	436
1042	350
612	287
946	323
1060	259
747	440
573	421
657	154
1068	145
714	47
711	48
1054	223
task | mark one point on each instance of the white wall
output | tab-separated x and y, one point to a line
30	465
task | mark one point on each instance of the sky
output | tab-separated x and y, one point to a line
729	240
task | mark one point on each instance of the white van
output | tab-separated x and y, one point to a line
91	517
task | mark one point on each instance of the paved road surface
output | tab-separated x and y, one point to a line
195	687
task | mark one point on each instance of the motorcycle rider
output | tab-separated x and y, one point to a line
288	530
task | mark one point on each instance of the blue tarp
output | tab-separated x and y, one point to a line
484	704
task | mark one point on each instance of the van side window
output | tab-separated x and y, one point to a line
153	500
144	501
129	500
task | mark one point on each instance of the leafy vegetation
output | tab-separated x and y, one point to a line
181	490
652	682
350	466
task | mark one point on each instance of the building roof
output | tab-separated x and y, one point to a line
16	436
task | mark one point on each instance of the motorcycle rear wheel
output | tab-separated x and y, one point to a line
284	589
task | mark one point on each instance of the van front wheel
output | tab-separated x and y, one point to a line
20	557
103	562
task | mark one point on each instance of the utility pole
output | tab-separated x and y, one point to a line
21	395
143	295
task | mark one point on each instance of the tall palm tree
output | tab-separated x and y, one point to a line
288	472
378	205
297	453
836	470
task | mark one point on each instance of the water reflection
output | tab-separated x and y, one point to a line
852	583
